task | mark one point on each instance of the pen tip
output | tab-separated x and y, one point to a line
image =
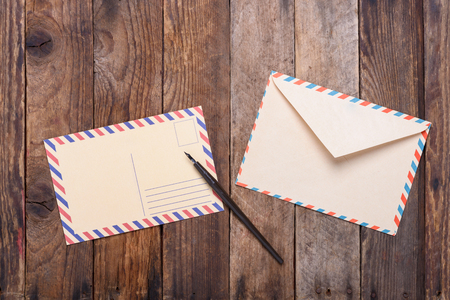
189	156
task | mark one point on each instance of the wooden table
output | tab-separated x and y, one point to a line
68	66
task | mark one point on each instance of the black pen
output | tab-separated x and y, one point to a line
233	206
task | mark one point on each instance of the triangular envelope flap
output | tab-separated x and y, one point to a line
342	126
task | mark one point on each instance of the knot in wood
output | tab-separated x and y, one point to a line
39	43
40	198
43	38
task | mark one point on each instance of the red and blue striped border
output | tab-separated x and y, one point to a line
411	174
342	96
52	144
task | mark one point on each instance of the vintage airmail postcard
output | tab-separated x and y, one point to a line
131	175
333	153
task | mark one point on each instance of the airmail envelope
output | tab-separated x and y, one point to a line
131	175
333	153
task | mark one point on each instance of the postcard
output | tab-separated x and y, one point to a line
132	175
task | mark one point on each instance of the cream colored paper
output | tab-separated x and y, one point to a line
138	177
331	155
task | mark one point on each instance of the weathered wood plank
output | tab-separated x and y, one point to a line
327	249
391	60
59	101
196	72
128	83
437	169
12	124
262	39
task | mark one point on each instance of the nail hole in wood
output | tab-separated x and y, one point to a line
435	184
328	292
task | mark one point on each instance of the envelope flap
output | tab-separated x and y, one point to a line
342	123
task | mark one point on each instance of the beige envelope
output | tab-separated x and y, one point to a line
333	153
131	175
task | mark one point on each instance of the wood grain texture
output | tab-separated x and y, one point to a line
437	170
262	39
196	72
128	83
391	56
12	129
326	51
326	44
59	101
76	65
